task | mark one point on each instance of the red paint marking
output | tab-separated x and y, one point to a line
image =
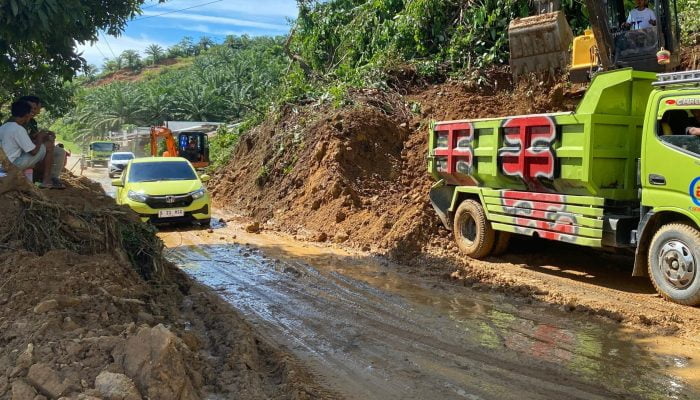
459	154
527	149
514	194
670	102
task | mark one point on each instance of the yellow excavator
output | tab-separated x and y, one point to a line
544	43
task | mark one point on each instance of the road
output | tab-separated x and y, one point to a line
370	331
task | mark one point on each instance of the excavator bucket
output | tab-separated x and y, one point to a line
539	44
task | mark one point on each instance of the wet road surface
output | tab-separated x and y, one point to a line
371	332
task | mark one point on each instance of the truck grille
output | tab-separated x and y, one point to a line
175	201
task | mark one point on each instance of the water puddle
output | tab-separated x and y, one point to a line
376	333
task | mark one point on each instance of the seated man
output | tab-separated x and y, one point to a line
191	153
693	127
20	150
640	17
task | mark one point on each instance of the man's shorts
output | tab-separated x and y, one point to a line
26	160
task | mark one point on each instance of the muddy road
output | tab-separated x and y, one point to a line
372	332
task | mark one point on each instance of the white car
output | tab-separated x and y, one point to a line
117	162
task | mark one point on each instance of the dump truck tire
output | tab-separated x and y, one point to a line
674	258
502	242
473	232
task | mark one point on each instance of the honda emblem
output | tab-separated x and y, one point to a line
170	199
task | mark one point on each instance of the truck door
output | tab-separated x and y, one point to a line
670	173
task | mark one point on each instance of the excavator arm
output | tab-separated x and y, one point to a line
599	24
158	132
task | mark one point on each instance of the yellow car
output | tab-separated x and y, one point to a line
164	190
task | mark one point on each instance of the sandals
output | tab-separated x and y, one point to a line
55	185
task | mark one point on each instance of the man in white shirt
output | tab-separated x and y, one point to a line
15	142
641	17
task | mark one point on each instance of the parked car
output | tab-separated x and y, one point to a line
164	190
117	162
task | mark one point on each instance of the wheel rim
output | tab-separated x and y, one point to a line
677	264
468	228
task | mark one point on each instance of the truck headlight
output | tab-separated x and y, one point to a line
198	193
138	197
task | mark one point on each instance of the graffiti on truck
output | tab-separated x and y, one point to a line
454	152
543	214
528	151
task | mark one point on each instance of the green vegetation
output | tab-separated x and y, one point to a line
37	42
333	46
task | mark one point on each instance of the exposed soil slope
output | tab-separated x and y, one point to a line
78	317
358	173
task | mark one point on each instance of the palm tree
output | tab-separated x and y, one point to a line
204	43
155	52
132	59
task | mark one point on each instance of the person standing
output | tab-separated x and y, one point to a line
640	17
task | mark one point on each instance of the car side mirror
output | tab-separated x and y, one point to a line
117	182
204	178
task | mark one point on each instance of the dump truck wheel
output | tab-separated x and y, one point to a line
473	232
674	259
502	242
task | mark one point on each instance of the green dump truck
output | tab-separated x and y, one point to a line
99	152
622	172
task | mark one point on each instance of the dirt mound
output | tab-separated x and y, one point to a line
88	308
358	174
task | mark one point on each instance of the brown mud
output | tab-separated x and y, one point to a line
357	175
372	331
79	319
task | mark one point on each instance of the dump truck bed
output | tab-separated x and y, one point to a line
589	152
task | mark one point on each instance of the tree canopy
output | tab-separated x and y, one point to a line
38	39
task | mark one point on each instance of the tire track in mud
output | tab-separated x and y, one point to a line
373	334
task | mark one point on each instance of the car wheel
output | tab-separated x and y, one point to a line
674	258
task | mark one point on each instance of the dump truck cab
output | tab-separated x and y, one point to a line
621	173
99	152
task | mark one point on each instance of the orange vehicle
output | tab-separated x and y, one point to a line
194	145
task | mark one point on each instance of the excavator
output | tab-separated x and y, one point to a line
192	145
540	43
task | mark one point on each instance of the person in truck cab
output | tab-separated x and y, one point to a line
640	17
693	127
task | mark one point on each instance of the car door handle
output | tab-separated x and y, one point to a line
657	180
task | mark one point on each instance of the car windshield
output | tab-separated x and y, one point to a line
161	171
103	146
122	156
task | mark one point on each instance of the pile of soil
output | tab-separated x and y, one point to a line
90	310
357	174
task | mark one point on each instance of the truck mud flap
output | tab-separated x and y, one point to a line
441	199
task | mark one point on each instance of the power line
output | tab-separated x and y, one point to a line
174	11
108	46
153	5
98	49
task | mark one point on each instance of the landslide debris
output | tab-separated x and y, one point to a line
90	309
357	174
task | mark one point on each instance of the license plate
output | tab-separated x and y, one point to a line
170	213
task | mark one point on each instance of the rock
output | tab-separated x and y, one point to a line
340	238
42	397
26	359
321	237
21	390
116	386
253	228
316	204
366	248
155	359
210	230
46	380
46	306
145	317
340	217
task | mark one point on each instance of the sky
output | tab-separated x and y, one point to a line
167	23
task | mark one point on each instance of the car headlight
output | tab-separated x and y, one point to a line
137	196
198	193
